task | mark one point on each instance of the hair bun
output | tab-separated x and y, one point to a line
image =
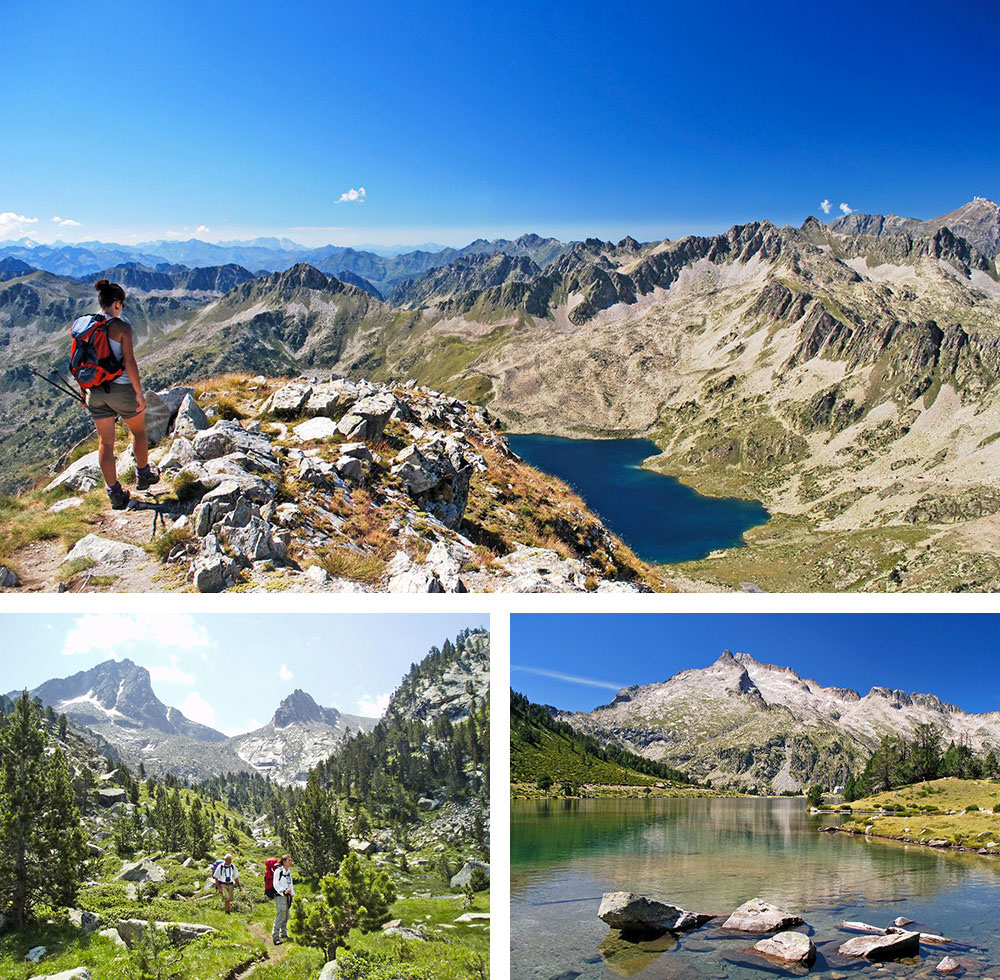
101	284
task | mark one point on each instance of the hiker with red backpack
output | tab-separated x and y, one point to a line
102	360
278	886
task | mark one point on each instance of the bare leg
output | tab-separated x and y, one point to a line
140	444
106	450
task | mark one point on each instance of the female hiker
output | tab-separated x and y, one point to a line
122	398
283	899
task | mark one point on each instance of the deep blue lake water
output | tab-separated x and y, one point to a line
662	520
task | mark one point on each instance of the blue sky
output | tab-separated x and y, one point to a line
231	671
952	656
130	121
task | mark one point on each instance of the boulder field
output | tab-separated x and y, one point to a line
341	485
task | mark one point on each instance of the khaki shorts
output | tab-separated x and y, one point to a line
118	401
226	889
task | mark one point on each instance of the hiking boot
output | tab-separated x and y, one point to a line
145	478
118	496
277	942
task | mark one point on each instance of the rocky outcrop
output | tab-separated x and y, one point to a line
464	877
760	916
180	933
144	870
633	913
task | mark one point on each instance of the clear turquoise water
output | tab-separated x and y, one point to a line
712	855
662	520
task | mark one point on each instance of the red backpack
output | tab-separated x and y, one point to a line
269	865
91	360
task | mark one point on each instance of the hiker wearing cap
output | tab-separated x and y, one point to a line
283	899
103	362
228	878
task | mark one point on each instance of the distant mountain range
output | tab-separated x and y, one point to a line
845	375
115	700
743	723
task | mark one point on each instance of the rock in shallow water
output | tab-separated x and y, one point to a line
634	913
790	947
760	916
892	947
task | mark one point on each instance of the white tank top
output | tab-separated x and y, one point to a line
116	349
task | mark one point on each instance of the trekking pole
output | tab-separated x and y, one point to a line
65	391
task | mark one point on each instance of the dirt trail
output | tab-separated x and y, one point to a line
40	562
273	954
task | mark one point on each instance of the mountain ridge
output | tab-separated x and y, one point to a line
745	723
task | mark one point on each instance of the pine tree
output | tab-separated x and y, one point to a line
316	831
42	845
63	726
199	831
359	896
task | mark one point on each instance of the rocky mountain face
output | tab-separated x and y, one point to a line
447	682
978	222
119	693
743	724
300	734
115	701
844	375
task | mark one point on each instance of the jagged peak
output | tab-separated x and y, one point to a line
301	708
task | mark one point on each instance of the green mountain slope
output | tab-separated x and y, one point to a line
542	747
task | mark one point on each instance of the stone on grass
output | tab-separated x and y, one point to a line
144	870
37	953
132	931
464	876
319	427
330	971
760	916
112	934
8	578
77	973
67	503
85	920
104	551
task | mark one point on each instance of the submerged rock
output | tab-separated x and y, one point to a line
760	916
790	947
894	946
634	913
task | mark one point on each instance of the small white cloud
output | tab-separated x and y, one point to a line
15	225
195	707
66	222
284	673
355	195
846	208
117	634
251	725
172	674
825	206
373	707
202	230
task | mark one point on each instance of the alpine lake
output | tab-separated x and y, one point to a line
714	854
658	517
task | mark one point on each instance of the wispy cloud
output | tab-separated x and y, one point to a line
284	673
356	195
825	206
195	707
373	707
116	634
15	225
171	674
66	222
569	678
846	208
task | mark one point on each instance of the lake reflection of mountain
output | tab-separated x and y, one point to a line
712	855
